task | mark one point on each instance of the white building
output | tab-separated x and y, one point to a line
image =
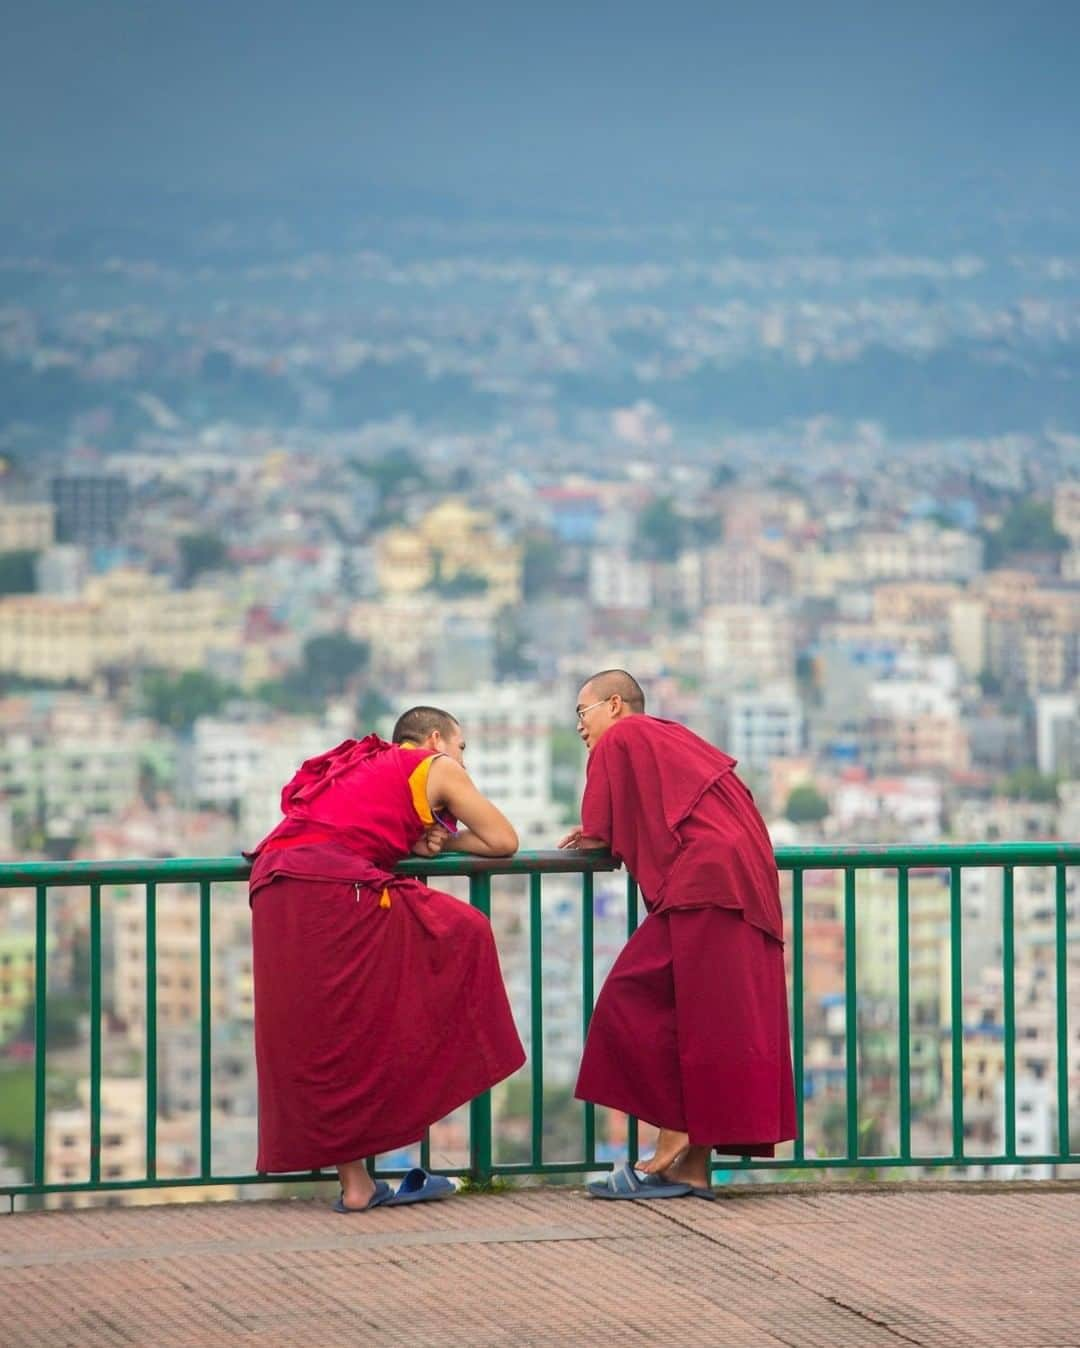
923	552
746	646
616	580
765	724
243	764
1057	733
507	729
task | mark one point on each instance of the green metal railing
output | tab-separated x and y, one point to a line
898	863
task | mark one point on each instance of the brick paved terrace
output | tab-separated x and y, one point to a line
954	1267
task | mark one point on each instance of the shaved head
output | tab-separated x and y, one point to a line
611	681
417	723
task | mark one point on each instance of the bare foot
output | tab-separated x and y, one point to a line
357	1186
692	1167
669	1147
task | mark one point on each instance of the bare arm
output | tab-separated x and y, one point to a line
487	831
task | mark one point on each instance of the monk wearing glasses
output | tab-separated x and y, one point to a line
690	1030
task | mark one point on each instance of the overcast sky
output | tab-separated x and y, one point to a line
532	102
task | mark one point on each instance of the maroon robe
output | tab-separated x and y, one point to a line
690	1030
379	1003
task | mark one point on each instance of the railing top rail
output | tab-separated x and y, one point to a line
173	870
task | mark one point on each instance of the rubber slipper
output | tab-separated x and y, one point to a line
383	1194
702	1191
627	1183
420	1187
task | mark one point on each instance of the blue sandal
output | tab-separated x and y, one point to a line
627	1183
420	1187
383	1194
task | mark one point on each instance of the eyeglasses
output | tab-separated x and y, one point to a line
582	710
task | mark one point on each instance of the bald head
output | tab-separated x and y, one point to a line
611	681
416	724
607	697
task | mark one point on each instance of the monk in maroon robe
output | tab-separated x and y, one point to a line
379	1003
690	1030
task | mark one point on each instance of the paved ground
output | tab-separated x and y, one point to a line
968	1269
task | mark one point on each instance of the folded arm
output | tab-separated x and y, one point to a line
487	831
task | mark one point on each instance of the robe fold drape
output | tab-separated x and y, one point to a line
690	1031
380	1006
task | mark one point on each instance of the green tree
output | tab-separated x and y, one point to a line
200	552
394	473
540	567
332	660
806	805
1030	784
660	530
17	572
372	708
63	1014
512	660
178	700
291	693
1028	526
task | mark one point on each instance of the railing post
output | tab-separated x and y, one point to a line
480	1161
1061	939
851	1017
41	1031
206	1082
956	1010
903	975
536	1016
95	1034
798	1046
151	1031
587	998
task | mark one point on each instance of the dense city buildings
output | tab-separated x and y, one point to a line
225	547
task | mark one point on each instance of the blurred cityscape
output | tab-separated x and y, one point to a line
257	496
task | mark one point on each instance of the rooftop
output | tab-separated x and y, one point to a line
952	1267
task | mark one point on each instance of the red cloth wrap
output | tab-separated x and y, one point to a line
371	1022
690	1031
671	808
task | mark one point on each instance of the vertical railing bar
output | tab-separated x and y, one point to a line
536	1014
480	1108
798	1012
1009	1005
588	956
903	974
851	1013
95	1033
426	1138
956	1013
425	1141
1061	938
151	1030
205	1064
41	1029
632	1146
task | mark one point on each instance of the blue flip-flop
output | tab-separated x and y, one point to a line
702	1191
383	1194
627	1183
420	1187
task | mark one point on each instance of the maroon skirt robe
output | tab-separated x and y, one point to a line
379	1003
690	1030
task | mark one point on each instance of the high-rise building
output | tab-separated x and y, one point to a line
90	507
